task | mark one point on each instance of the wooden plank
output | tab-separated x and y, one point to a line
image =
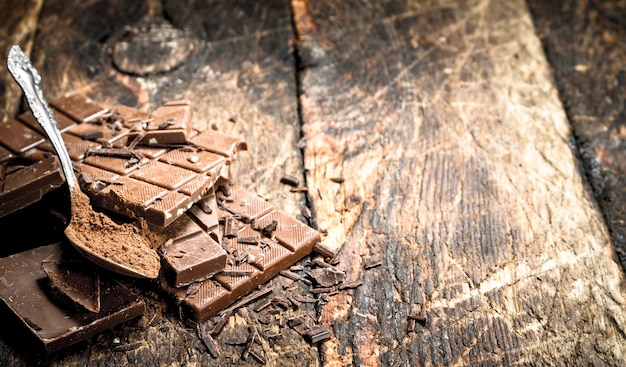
240	76
584	42
18	20
459	173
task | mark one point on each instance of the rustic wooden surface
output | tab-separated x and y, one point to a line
459	164
586	43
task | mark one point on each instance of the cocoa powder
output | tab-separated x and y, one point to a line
124	244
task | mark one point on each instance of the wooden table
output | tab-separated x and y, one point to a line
461	166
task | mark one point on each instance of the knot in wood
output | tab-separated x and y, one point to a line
152	46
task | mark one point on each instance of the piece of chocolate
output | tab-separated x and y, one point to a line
24	185
317	334
154	179
33	314
192	257
78	280
327	276
169	124
291	240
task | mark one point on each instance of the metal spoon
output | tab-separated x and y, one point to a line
29	80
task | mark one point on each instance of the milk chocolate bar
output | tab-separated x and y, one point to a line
255	254
138	164
34	313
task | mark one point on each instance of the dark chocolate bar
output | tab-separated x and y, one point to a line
251	262
32	311
153	166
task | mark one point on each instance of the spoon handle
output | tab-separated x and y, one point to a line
29	80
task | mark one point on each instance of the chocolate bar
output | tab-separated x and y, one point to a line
33	312
250	262
153	166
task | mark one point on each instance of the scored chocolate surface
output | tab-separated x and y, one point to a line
266	241
190	254
138	164
35	314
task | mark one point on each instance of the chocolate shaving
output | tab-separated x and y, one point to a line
290	180
410	326
268	229
322	290
257	356
295	321
281	302
235	341
208	341
219	325
231	227
338	180
262	305
249	342
421	319
251	240
372	263
316	335
299	189
350	285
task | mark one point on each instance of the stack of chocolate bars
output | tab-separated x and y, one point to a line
217	241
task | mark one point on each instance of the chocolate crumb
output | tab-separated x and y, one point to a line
290	180
410	326
421	319
327	277
372	263
257	356
299	189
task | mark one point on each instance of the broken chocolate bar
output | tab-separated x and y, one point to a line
31	311
289	242
137	169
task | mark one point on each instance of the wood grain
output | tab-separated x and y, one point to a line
18	21
585	43
460	173
435	142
